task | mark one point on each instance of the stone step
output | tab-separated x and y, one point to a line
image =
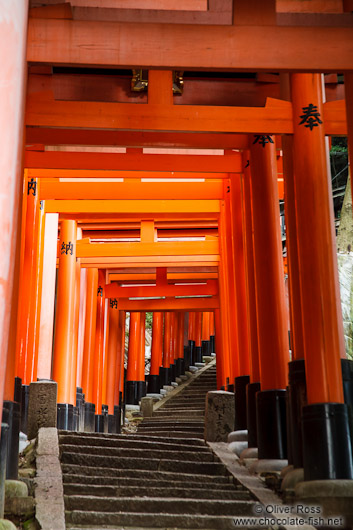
169	424
95	480
170	420
175	434
188	441
166	428
149	490
90	503
130	443
178	412
188	421
79	520
143	474
174	402
123	452
146	463
195	393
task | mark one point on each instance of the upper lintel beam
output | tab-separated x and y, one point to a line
187	47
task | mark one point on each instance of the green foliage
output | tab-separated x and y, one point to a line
149	318
338	150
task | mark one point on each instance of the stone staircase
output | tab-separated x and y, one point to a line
164	476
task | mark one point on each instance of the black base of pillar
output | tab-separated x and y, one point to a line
179	367
99	421
240	384
187	357
3	456
213	344
105	412
117	414
230	388
24	407
296	401
327	452
172	372
17	395
206	348
75	419
65	416
251	391
164	376
135	390
80	404
153	384
271	424
11	415
89	417
198	354
192	346
122	405
182	366
347	379
112	423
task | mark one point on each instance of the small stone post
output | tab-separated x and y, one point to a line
147	407
42	410
219	415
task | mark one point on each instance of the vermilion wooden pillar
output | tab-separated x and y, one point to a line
270	299
180	344
239	271
212	332
242	379
64	316
141	359
74	332
167	347
174	332
99	352
30	291
232	289
227	311
205	325
13	38
254	386
191	339
112	360
89	347
135	387
296	369
326	438
119	377
222	363
154	383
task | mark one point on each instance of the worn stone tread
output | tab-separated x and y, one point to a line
127	521
155	491
90	503
189	441
130	452
143	474
129	481
154	464
65	441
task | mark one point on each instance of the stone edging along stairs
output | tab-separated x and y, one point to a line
164	476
